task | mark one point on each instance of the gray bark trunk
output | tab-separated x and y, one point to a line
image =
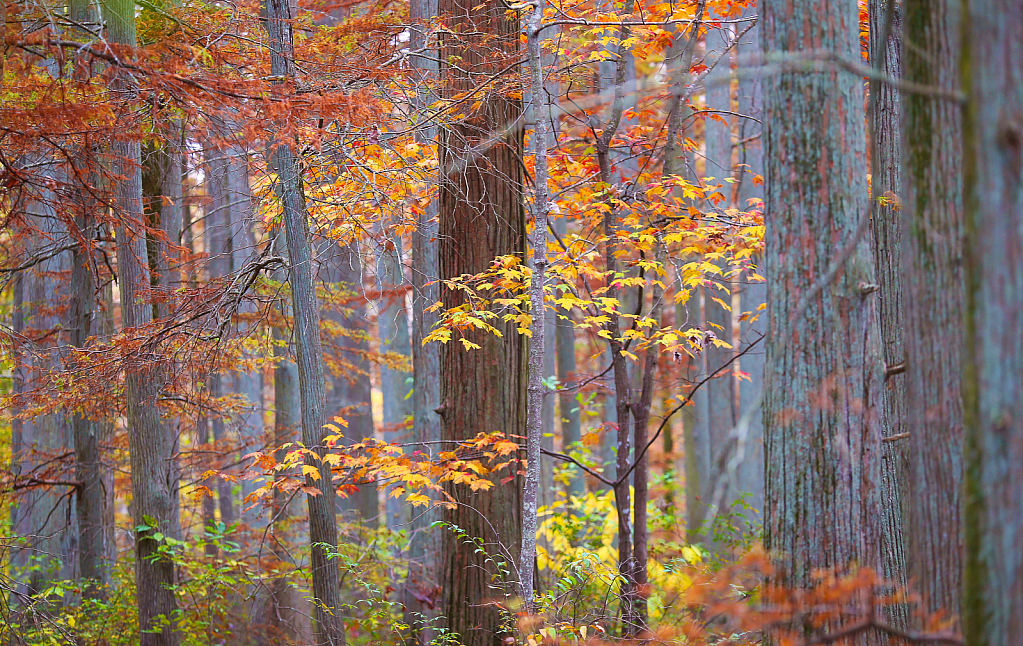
751	294
422	588
887	248
993	377
393	333
340	270
932	215
329	629
823	368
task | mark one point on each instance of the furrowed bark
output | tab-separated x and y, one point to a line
150	446
885	57
932	216
481	390
823	369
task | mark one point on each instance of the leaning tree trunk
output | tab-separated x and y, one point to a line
932	212
823	367
483	390
993	377
330	629
150	446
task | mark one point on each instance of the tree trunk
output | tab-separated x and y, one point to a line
350	394
932	212
329	630
153	483
393	332
422	589
569	408
750	157
482	390
993	377
217	231
823	366
887	247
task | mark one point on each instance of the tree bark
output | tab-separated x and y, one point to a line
886	223
329	629
483	390
823	366
750	157
992	79
422	589
150	447
932	215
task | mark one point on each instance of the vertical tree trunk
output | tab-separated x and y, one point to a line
993	377
720	397
569	408
932	212
217	233
93	552
540	209
425	557
482	390
885	36
91	499
329	630
393	332
150	446
287	420
823	367
752	294
350	394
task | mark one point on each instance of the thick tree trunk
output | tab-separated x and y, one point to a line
329	629
482	390
993	377
932	212
823	371
154	485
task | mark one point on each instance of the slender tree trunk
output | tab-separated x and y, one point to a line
483	390
150	446
93	552
329	629
569	408
885	56
993	377
91	499
717	316
217	233
287	420
393	332
823	370
422	589
540	207
350	394
932	212
752	294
